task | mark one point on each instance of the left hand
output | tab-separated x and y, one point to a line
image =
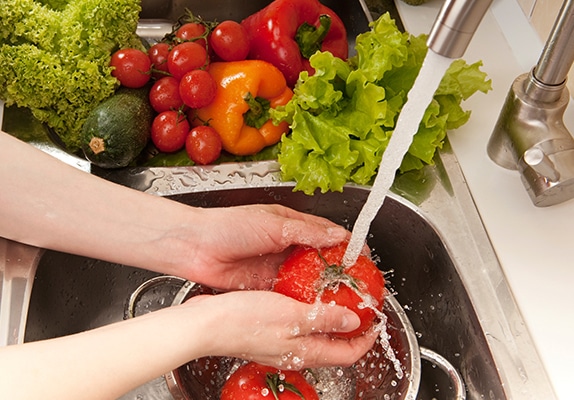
242	247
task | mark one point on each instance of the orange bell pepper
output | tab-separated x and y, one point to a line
246	90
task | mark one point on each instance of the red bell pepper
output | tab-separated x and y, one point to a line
287	32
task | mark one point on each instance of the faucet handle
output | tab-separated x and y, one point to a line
541	163
547	171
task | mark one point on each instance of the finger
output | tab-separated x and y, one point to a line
291	213
322	351
327	318
312	234
307	229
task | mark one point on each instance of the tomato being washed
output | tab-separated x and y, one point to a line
308	271
254	381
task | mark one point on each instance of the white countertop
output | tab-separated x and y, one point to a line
533	244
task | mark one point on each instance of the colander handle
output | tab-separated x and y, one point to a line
448	368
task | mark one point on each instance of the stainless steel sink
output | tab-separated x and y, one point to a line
428	238
436	255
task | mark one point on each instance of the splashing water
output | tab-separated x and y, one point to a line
367	301
419	97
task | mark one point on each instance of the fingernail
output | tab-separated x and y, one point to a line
336	234
350	321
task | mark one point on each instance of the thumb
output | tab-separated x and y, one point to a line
325	318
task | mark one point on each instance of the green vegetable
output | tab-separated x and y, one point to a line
118	129
343	116
55	57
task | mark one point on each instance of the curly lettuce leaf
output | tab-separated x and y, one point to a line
343	116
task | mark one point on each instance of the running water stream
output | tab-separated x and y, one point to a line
419	97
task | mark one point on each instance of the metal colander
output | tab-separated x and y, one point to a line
375	376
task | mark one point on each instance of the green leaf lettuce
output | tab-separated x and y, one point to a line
344	114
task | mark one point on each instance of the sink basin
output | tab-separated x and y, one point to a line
428	238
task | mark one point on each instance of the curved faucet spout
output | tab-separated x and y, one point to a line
455	25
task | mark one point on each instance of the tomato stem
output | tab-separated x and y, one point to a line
278	385
334	274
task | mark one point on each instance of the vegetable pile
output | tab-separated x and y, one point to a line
278	84
209	97
55	57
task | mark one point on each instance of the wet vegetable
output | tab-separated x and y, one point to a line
246	92
287	32
343	116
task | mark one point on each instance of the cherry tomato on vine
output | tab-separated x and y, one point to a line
186	57
169	131
203	145
197	88
158	56
229	41
192	31
131	67
164	95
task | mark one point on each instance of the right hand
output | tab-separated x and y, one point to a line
273	329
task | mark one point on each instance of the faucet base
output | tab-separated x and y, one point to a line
530	137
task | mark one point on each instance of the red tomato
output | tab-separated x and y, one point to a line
197	88
131	67
203	145
192	31
307	269
158	56
254	381
229	41
186	57
169	131
164	95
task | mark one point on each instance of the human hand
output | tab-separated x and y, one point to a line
242	247
273	329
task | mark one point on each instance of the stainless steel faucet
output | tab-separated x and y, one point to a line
455	25
530	135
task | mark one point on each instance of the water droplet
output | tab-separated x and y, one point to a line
312	315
